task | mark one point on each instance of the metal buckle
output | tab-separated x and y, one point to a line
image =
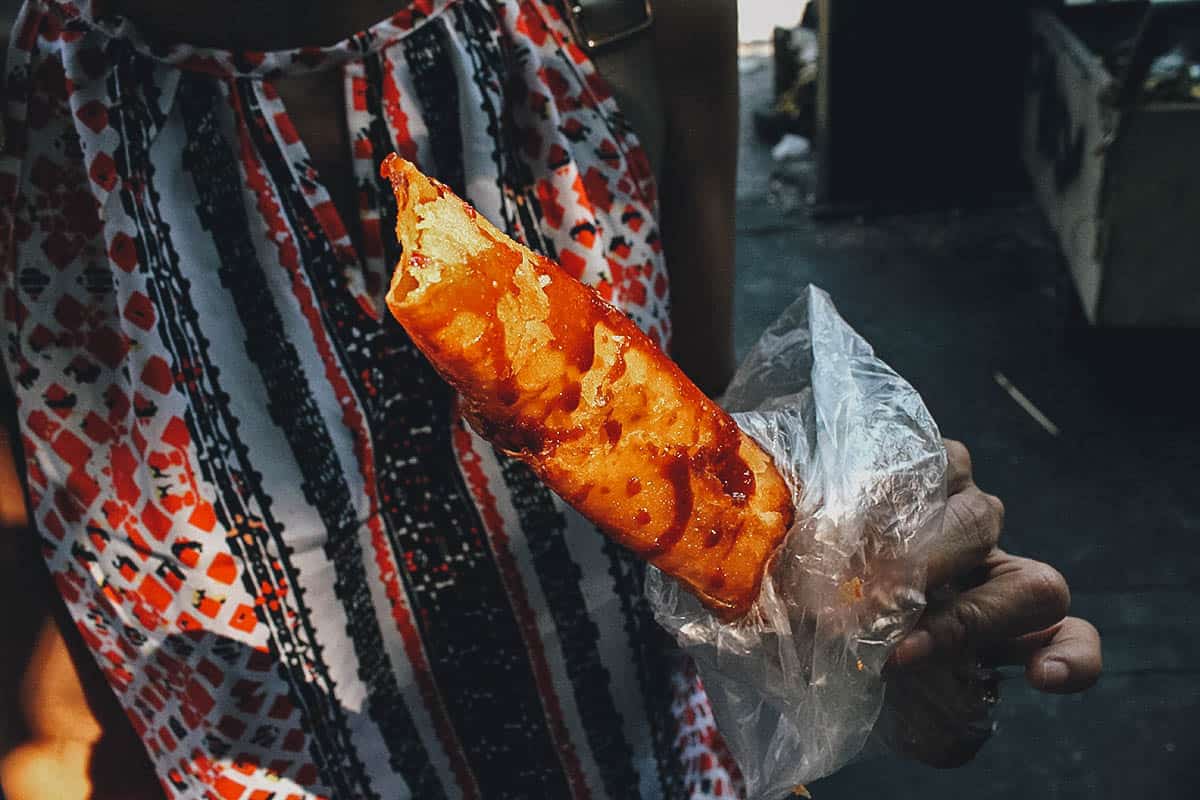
587	34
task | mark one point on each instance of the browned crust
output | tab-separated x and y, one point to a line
554	375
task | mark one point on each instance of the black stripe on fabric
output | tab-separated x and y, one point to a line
381	145
292	407
544	526
490	64
647	641
241	504
427	51
652	650
461	608
560	579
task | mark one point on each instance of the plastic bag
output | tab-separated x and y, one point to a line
796	685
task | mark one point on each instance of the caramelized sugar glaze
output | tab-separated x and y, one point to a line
550	372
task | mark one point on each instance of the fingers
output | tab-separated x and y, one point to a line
1070	661
971	526
970	530
1019	596
1017	612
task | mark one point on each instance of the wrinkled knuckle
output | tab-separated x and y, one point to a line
996	511
1049	590
976	529
958	456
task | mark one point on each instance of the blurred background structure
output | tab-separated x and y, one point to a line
995	204
922	199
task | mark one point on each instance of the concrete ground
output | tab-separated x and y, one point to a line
950	299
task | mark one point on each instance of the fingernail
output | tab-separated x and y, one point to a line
914	647
1054	672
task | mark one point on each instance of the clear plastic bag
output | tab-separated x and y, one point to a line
796	685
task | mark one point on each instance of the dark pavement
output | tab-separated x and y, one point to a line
950	299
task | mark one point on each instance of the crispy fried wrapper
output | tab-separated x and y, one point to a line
785	539
796	684
552	374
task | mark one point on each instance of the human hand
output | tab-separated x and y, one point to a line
1006	610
